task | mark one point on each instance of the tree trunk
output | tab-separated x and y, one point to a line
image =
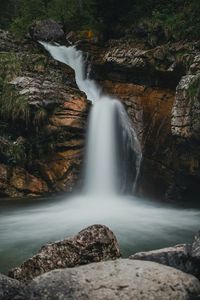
80	6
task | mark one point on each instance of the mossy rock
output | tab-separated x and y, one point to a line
13	105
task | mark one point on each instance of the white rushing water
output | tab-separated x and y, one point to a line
109	129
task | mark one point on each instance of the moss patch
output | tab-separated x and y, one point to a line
13	105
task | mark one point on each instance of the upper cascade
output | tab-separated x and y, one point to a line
112	143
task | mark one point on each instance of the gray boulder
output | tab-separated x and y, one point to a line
113	280
184	257
47	30
93	244
195	250
177	257
186	108
10	289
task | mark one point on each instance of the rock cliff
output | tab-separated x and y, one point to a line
43	119
160	90
44	115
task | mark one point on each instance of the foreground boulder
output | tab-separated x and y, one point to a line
10	288
120	279
184	257
93	244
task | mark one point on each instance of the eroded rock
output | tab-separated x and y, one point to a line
186	108
39	134
23	181
93	244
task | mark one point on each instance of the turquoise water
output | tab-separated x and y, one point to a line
25	225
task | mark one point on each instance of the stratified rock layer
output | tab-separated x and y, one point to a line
43	121
186	109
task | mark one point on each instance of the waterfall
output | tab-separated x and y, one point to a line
113	151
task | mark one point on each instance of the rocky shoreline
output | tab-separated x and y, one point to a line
89	266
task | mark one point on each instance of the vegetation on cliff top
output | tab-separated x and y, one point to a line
172	20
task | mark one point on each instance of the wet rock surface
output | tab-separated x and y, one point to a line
93	244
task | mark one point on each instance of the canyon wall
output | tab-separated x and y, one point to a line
43	119
160	90
44	115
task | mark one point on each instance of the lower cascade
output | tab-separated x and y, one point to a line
113	153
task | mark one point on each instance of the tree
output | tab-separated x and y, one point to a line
8	11
110	14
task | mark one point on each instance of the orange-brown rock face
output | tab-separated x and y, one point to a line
23	181
149	108
71	114
160	90
42	148
61	170
17	181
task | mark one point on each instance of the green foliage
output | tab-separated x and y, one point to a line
194	90
20	26
13	152
17	154
29	11
8	12
10	67
14	106
40	117
64	11
179	19
73	14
